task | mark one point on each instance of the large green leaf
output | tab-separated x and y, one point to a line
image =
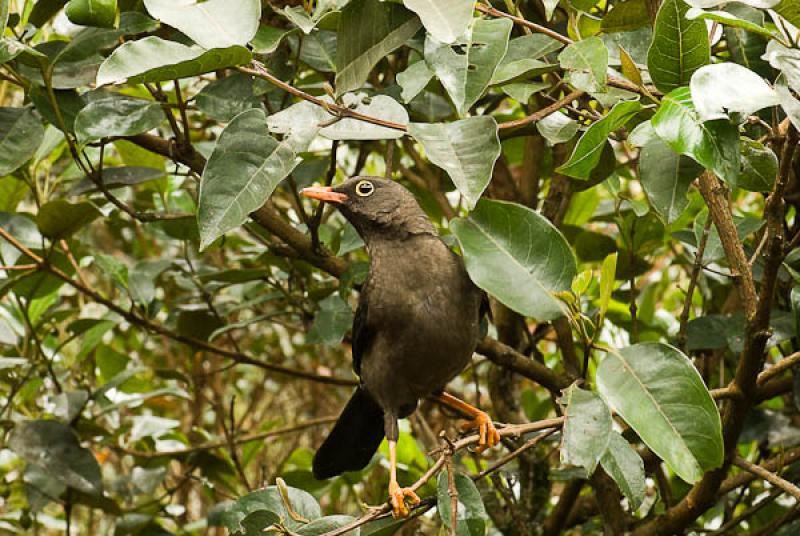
787	60
369	30
244	169
471	516
522	59
116	115
666	177
790	10
680	46
727	87
660	394
746	48
302	121
210	23
587	429
226	98
117	177
331	322
100	13
626	16
60	218
413	80
625	466
759	167
466	66
233	514
713	144
517	256
589	150
467	149
586	62
21	132
445	20
55	448
153	59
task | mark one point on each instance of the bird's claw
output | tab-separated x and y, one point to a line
488	436
397	498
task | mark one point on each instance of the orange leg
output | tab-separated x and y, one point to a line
488	434
398	495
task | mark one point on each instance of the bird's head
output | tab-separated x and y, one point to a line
377	207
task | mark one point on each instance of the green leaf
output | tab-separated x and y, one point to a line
317	50
680	46
445	20
466	149
759	167
326	524
746	48
471	516
59	218
626	16
153	59
331	322
790	105
211	23
99	13
522	91
267	39
660	394
413	80
586	62
116	115
226	98
625	466
361	46
142	278
244	169
21	132
787	60
789	10
508	247
666	177
557	128
713	144
466	66
118	177
302	121
55	448
3	15
727	87
589	150
607	278
231	514
69	102
587	428
522	58
731	20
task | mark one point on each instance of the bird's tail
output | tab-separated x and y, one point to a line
354	439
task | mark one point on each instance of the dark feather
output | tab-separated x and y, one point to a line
354	439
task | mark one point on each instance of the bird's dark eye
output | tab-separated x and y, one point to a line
365	188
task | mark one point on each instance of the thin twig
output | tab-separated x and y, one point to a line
770	477
696	268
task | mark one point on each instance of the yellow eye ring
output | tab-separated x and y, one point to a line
365	188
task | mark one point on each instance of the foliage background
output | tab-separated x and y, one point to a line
174	317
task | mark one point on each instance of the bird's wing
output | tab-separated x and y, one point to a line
361	333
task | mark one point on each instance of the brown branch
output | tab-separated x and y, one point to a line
769	476
505	356
695	275
544	112
715	194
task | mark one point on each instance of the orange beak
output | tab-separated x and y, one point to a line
324	193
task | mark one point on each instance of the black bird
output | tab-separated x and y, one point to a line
415	329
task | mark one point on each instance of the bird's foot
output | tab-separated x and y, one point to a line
397	498
488	436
